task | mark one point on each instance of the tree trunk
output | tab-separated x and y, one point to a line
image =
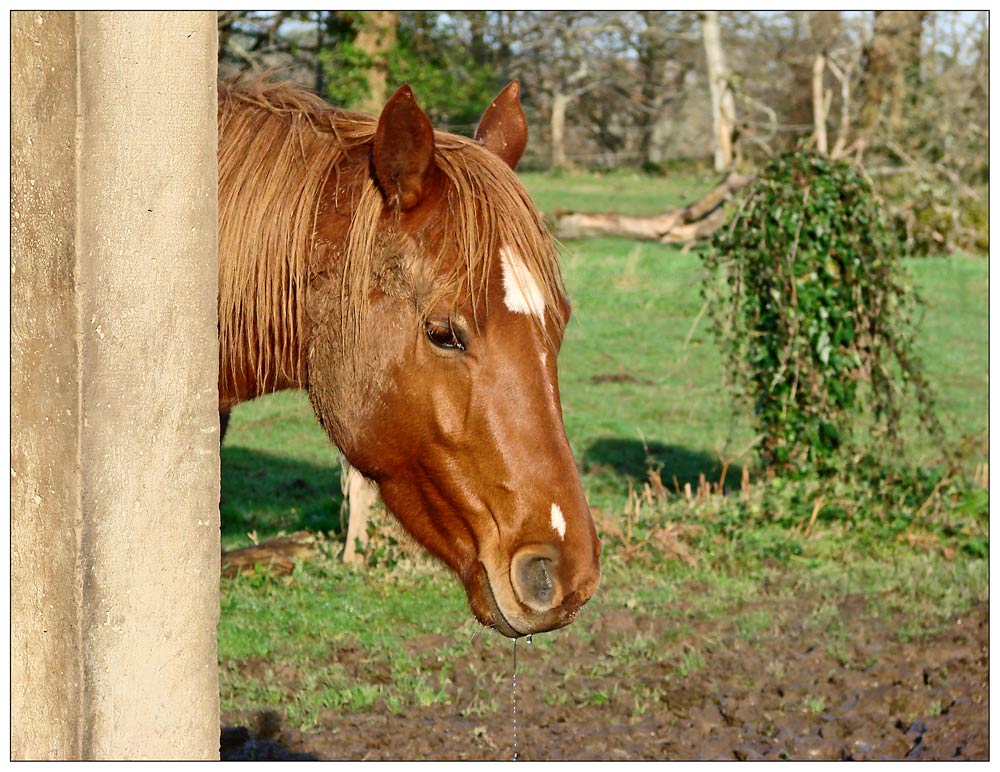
478	47
320	84
844	76
891	72
558	126
657	135
720	94
361	496
376	38
819	103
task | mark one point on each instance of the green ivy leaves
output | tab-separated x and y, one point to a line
814	314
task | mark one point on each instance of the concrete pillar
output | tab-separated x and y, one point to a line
114	436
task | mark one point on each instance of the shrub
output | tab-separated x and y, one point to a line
814	315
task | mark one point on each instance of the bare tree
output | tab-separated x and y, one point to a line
824	37
574	86
559	54
263	40
820	102
720	93
665	45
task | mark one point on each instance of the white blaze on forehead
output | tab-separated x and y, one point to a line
521	292
558	521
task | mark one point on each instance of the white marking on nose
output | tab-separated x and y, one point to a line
558	521
521	292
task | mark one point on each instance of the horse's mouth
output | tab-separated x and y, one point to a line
499	621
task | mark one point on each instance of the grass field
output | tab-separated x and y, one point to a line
641	387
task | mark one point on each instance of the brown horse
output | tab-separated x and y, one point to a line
404	277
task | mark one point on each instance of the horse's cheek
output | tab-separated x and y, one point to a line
351	385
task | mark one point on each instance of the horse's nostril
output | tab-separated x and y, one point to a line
533	581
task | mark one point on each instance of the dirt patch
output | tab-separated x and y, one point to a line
597	380
764	683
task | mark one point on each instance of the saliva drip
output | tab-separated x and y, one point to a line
513	694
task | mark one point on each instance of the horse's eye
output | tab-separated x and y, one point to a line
442	335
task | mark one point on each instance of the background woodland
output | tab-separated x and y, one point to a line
903	94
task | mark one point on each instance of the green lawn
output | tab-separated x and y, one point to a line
624	191
641	385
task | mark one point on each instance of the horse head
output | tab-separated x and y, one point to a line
434	314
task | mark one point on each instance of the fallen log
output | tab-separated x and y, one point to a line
278	555
689	223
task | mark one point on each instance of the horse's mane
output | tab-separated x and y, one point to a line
278	144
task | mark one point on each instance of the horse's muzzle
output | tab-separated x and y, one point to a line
537	598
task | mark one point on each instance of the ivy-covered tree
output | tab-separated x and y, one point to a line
813	312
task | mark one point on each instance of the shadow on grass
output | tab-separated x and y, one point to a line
264	743
632	459
266	493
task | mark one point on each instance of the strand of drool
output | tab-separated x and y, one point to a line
513	692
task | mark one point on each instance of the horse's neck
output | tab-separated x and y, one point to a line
241	387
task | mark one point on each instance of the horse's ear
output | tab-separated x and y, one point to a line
503	128
404	150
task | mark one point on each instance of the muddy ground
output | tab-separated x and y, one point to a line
791	695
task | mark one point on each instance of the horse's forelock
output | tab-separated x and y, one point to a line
493	212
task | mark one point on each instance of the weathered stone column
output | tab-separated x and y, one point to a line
114	435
